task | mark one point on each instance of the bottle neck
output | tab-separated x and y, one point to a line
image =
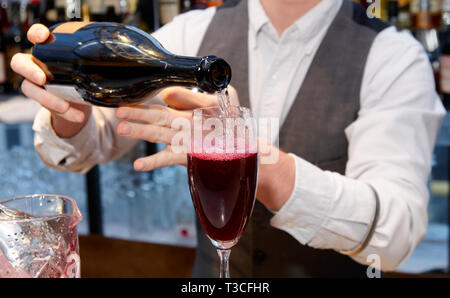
393	12
15	15
182	71
424	20
153	64
208	73
424	5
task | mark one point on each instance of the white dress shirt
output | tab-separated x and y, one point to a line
390	143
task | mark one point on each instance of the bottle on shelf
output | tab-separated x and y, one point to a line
14	43
111	16
134	16
85	13
123	9
199	4
432	12
168	9
373	8
97	10
73	10
60	8
445	54
112	64
33	16
2	61
149	12
186	5
50	13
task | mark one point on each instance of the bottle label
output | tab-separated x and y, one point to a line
424	20
68	93
214	3
70	27
114	3
96	6
72	269
13	78
435	6
445	74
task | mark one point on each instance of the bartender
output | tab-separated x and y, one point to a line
358	115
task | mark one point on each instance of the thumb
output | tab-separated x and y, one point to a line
38	33
234	98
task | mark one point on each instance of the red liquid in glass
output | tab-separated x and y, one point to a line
223	190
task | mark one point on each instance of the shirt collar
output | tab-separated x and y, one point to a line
257	16
305	28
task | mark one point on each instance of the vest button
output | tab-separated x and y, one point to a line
259	256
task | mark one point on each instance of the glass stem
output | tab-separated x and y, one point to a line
224	255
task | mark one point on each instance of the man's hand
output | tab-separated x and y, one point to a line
275	181
67	118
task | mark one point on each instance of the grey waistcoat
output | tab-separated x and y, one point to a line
327	102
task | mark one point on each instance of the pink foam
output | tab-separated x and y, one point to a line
8	271
221	156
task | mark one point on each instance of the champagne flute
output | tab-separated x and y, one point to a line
222	171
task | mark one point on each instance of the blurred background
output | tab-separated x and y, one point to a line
145	222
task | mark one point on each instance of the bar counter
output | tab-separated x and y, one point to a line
103	257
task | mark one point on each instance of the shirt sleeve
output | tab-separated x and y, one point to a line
390	147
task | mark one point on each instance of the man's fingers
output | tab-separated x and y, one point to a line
45	98
24	65
184	99
234	99
38	33
148	132
154	114
159	160
52	102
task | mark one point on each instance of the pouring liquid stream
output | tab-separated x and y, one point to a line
223	99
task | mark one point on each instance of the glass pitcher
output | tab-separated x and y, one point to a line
38	237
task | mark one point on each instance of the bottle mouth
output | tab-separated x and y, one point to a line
217	74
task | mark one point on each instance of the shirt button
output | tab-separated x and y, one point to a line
259	256
289	225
